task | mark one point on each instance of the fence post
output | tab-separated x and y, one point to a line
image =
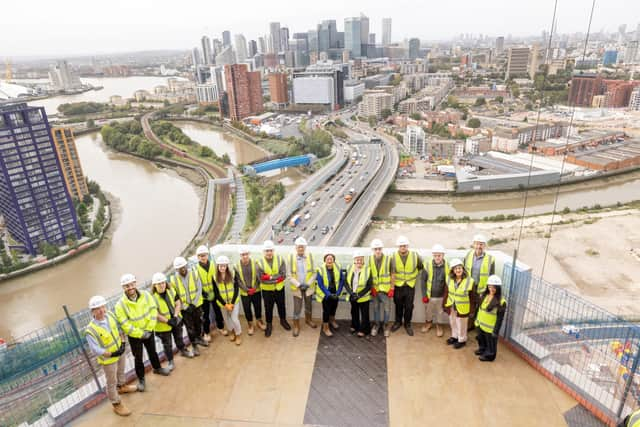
627	386
512	291
80	343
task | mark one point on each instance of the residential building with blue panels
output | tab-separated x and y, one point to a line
34	199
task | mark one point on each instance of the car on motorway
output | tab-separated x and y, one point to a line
307	216
304	228
281	239
306	212
313	237
315	227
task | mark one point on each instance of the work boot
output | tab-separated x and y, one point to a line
171	365
251	328
426	328
396	326
162	371
409	330
196	352
452	341
374	329
141	385
224	332
439	331
186	353
207	337
285	324
485	358
333	323
261	324
232	336
387	330
296	327
458	345
309	321
121	410
479	352
238	340
127	388
327	330
268	329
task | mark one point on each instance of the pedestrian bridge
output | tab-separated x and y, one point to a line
287	162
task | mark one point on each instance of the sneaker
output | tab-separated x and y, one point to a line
409	330
196	352
387	331
162	371
201	342
396	326
224	332
361	334
452	340
374	330
171	365
186	353
458	345
141	385
207	337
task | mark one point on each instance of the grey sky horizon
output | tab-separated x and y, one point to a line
74	27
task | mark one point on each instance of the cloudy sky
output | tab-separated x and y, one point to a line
52	28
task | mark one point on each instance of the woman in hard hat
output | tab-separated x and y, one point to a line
329	286
169	318
490	315
358	285
457	303
227	295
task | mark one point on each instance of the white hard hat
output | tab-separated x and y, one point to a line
127	278
202	249
357	254
222	259
268	245
455	262
481	238
243	250
494	280
402	240
158	278
301	241
97	301
437	249
377	243
179	262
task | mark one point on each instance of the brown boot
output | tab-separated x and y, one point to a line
121	410
426	328
251	328
327	330
333	323
261	324
296	327
238	340
127	388
232	335
309	321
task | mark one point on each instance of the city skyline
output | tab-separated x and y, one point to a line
176	28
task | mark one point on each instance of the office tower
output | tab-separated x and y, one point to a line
216	47
284	39
517	62
499	45
244	90
312	40
241	48
364	34
278	90
300	51
34	200
226	57
610	57
631	52
226	38
195	57
274	36
414	48
352	37
327	35
262	45
386	31
65	145
207	54
62	78
372	39
252	48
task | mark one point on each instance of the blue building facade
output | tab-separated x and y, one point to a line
34	199
610	57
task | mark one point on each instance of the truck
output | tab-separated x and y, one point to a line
295	220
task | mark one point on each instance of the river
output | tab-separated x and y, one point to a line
134	244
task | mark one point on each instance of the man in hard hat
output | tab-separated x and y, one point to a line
106	341
206	271
405	266
434	280
302	276
358	286
186	283
380	268
137	314
631	420
272	271
250	295
480	266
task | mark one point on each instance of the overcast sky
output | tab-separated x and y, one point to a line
68	27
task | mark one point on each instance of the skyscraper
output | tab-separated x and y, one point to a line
65	145
195	57
386	31
226	57
274	33
364	34
312	40
327	35
499	45
226	38
241	48
62	78
34	200
244	91
414	48
207	54
253	48
284	39
262	45
352	31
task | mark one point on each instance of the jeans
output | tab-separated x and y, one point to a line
136	349
297	306
381	303
329	308
403	298
166	336
231	317
206	317
254	301
272	298
360	317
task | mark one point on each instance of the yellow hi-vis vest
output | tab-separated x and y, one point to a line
163	308
226	292
240	274
429	266
310	271
406	273
136	317
381	278
362	282
108	339
206	278
459	295
634	419
272	270
485	267
322	270
189	295
486	319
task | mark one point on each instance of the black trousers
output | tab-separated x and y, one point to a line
487	344
403	299
329	308
136	349
192	317
272	298
360	317
166	336
206	316
254	301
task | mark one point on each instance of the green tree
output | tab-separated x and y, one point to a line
90	124
480	102
206	151
226	159
473	123
499	99
386	113
82	209
72	241
416	116
49	250
372	121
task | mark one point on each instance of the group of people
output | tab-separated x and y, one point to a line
464	293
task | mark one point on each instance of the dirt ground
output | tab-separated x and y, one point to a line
596	256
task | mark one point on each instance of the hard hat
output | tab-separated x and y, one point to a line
202	249
127	278
437	249
494	280
481	238
358	254
243	250
158	278
455	262
301	241
268	245
222	259
97	301
179	262
377	243
402	240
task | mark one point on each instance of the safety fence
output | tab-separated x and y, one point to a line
49	377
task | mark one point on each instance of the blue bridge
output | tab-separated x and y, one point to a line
304	160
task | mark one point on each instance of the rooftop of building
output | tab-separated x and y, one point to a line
611	153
